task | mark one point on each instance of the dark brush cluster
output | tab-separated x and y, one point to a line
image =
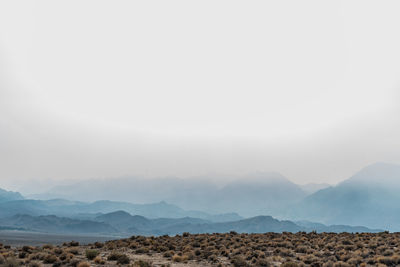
272	249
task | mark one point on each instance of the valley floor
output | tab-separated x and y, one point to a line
21	238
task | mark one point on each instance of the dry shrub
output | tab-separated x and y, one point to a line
301	249
142	263
238	261
11	262
396	259
123	259
142	250
58	251
389	261
354	261
113	256
99	260
66	256
91	254
22	254
189	255
73	244
47	246
50	258
74	251
341	264
35	264
83	264
28	249
36	256
98	244
289	264
263	263
328	264
119	257
168	254
177	258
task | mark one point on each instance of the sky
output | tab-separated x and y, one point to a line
309	89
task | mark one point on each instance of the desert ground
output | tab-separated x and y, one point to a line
230	249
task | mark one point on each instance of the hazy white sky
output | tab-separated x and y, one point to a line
108	88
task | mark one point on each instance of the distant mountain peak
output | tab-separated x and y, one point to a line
261	218
119	213
379	173
9	195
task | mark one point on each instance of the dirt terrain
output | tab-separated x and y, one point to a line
21	238
230	249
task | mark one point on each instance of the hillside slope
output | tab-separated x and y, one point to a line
370	198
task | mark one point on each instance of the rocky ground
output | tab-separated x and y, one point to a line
231	249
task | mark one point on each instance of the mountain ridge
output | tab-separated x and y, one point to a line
369	197
121	223
9	195
249	195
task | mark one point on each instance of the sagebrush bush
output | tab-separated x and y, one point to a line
99	260
35	264
123	259
142	263
238	261
50	258
83	264
289	264
91	254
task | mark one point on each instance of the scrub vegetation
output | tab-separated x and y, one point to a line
229	249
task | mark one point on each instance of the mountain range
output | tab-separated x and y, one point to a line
250	195
84	210
369	198
121	223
